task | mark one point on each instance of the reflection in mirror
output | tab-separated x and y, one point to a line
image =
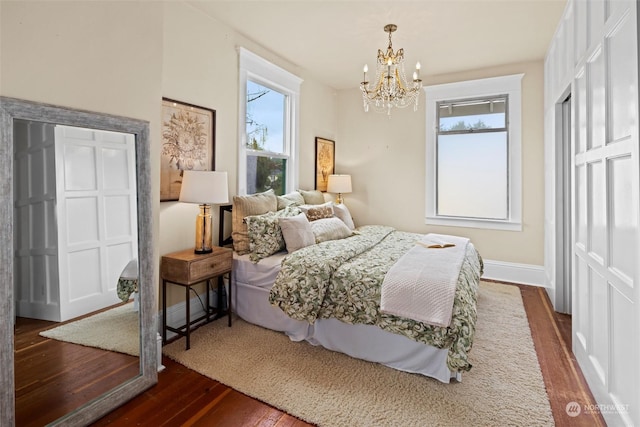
76	249
81	224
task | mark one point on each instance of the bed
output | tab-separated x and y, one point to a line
329	293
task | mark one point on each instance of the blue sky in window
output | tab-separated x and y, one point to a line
268	112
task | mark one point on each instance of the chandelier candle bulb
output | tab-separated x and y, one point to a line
365	69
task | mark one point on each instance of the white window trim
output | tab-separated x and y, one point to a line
259	70
512	86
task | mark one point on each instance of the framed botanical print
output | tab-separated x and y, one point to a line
188	143
325	162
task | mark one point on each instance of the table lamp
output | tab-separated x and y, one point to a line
340	184
204	188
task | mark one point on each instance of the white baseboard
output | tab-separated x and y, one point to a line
525	274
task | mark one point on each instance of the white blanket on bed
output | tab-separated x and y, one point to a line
422	284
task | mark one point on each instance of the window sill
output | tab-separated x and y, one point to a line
474	223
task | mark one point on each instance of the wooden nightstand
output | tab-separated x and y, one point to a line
186	268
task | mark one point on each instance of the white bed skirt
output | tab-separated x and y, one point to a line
365	342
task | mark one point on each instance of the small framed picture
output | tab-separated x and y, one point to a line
325	162
188	143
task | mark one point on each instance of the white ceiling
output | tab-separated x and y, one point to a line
334	39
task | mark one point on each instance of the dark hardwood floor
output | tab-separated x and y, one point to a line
184	397
53	377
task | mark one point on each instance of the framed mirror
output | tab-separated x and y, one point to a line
13	111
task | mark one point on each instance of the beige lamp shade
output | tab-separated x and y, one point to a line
204	187
339	184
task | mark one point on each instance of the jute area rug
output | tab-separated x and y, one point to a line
114	330
504	387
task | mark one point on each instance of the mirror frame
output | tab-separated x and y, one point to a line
10	109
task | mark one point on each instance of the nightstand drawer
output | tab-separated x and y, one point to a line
188	268
213	266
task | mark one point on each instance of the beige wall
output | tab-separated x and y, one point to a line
98	56
201	67
386	157
123	57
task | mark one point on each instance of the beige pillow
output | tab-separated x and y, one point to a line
312	197
343	213
297	232
243	206
290	199
329	229
304	208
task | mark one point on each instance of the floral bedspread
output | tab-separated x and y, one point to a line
343	278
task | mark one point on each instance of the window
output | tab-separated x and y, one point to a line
473	154
268	128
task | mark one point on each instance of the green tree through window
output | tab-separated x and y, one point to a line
266	157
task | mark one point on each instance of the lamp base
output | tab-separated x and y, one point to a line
203	231
203	251
339	199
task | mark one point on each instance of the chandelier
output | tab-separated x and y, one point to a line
390	87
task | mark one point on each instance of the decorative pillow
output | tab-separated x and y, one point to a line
314	214
243	206
297	232
294	198
312	197
342	212
329	229
265	234
304	208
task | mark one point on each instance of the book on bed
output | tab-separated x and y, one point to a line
436	245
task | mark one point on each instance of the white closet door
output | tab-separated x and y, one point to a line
97	220
606	196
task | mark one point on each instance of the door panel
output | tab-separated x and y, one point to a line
622	220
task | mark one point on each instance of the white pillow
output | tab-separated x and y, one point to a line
329	229
297	232
342	212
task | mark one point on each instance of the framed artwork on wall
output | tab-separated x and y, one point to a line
325	162
188	143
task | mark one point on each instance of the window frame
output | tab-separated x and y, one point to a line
269	75
511	86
